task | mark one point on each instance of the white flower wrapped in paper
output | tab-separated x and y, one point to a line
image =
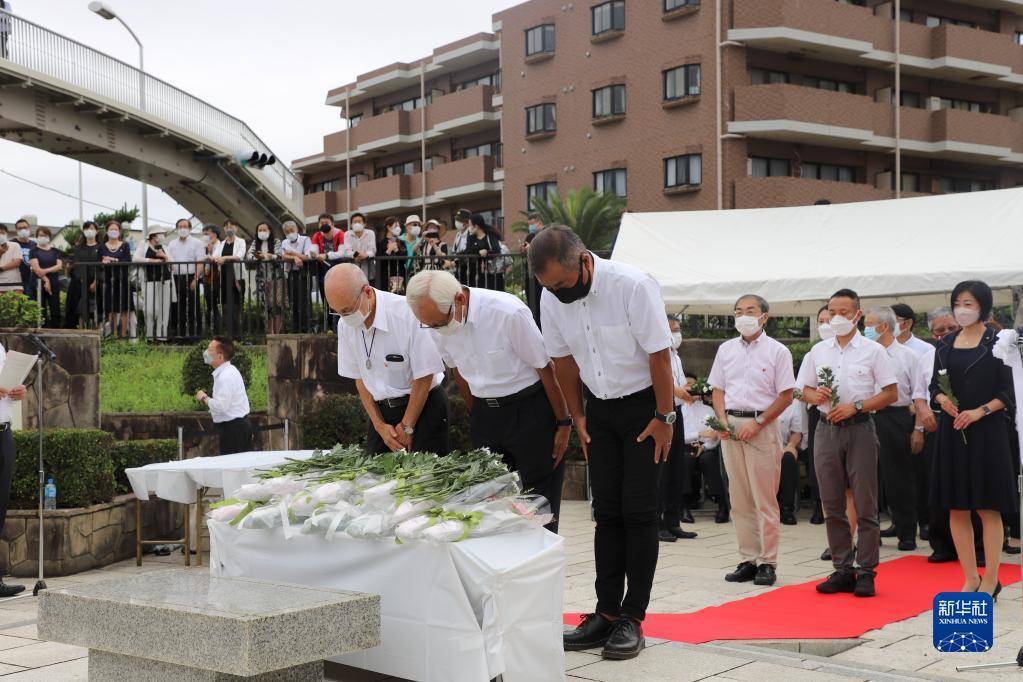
262	518
303	505
451	530
264	490
253	492
409	509
330	519
380	496
283	485
413	528
370	526
227	513
332	492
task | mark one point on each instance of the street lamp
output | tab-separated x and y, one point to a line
107	12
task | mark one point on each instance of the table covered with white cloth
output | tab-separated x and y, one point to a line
178	480
455	612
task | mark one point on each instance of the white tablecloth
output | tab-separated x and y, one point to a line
460	612
178	480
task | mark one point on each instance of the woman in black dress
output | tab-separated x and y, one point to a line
488	266
116	287
80	306
973	458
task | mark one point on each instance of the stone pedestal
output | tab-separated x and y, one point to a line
186	625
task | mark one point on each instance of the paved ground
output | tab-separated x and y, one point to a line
689	576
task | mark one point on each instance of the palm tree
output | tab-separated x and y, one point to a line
595	216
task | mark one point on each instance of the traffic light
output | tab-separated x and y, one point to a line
255	159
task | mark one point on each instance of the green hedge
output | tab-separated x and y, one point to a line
332	420
136	453
196	374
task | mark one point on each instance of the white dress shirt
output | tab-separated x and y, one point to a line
237	252
918	346
499	350
188	250
611	332
793	420
303	246
396	348
752	374
924	373
365	243
5	403
229	400
859	368
907	372
694	420
678	375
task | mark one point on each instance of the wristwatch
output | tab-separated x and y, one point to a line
567	421
858	405
759	419
666	418
985	409
919	429
407	429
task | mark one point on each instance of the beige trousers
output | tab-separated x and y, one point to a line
754	471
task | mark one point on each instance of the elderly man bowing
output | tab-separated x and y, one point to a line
394	362
503	372
753	383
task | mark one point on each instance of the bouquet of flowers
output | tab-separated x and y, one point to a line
827	379
408	496
716	424
700	387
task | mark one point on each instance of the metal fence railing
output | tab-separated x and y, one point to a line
40	49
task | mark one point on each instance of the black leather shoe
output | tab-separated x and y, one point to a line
9	590
743	573
818	517
864	585
625	642
665	535
682	534
765	575
907	545
839	581
925	532
826	555
686	516
890	532
722	515
592	632
788	517
941	558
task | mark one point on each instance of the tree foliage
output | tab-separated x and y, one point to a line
595	216
121	215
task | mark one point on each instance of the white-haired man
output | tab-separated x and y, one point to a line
503	372
394	362
895	426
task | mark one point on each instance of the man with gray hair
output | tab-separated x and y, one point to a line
895	426
604	325
503	372
394	362
753	384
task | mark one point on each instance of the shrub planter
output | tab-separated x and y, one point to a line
82	538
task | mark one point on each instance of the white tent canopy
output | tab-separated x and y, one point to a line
911	250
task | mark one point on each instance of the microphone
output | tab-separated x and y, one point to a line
42	347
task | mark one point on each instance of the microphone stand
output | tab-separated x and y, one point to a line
45	354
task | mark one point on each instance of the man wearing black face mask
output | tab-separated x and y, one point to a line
604	326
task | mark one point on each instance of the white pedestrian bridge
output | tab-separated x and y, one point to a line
70	99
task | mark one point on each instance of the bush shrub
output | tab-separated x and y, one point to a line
331	420
18	310
799	351
136	453
78	460
196	374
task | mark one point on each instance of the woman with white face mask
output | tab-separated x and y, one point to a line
395	249
10	262
973	469
116	284
46	266
263	259
157	288
296	252
80	308
228	255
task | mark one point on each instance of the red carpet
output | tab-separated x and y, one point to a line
905	588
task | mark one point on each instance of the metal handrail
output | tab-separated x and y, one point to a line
43	50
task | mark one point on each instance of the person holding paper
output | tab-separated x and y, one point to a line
8	394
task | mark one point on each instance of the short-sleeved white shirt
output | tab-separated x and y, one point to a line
859	368
612	331
905	364
752	374
793	420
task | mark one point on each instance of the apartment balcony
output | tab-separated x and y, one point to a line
462	179
753	192
806	115
825	29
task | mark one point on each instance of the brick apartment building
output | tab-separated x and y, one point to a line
621	95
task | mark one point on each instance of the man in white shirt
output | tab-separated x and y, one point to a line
907	318
703	445
394	362
186	254
361	245
792	426
297	254
503	372
845	443
753	384
229	404
895	428
604	325
7	457
677	473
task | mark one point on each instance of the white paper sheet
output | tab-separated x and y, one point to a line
16	368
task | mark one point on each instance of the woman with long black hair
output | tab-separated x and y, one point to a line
488	271
81	306
264	258
973	457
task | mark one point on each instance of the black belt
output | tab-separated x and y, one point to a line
744	414
400	401
855	419
645	393
509	399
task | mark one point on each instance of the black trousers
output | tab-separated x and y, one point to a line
235	436
814	417
184	313
709	464
299	298
431	434
898	470
523	434
674	480
7	455
788	486
623	479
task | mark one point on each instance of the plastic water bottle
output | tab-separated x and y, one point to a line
50	495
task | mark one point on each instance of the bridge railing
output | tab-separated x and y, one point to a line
36	47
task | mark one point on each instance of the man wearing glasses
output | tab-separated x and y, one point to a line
504	374
394	362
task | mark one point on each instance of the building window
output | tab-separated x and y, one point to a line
957	185
542	191
407	105
406	168
494	218
682	81
354	121
913	100
905	15
540	39
828	171
609	101
485	149
682	171
1019	37
609	16
493	79
669	5
767	76
541	119
828	84
910	182
933	21
764	167
353	180
963	105
325	186
858	3
610	181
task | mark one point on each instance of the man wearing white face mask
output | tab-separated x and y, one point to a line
187	255
753	384
677	472
394	362
361	245
297	253
503	372
464	239
845	443
229	404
